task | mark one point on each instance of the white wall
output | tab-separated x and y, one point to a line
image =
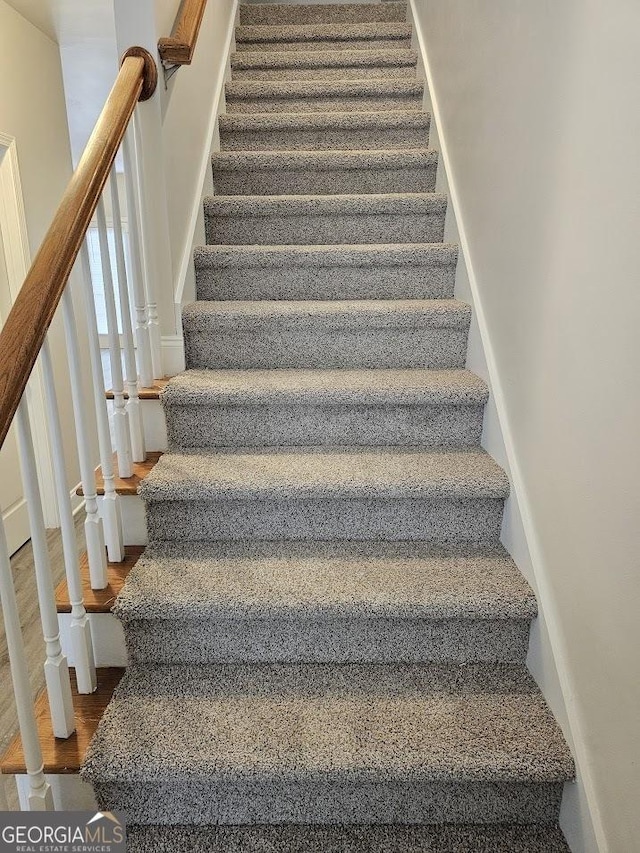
32	110
539	114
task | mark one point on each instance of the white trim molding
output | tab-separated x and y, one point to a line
13	228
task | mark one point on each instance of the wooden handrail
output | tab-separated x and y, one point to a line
179	48
30	317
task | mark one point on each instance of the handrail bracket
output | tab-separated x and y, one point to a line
168	70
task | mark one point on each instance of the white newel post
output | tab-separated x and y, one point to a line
40	797
93	526
137	279
56	669
120	414
81	640
138	450
111	502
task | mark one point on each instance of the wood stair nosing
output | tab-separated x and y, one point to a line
100	600
128	486
66	755
151	393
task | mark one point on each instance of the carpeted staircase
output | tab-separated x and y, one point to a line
327	640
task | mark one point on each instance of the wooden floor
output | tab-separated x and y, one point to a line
66	755
152	393
99	600
26	593
130	485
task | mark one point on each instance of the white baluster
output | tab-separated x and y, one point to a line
138	451
40	796
93	527
111	516
120	415
137	280
81	641
149	277
56	670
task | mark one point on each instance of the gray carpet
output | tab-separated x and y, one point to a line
327	641
308	744
347	839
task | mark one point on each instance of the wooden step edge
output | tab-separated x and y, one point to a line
128	486
151	393
65	755
100	600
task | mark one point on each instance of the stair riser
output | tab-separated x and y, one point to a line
288	425
337	139
252	800
324	44
315	282
341	228
292	639
343	104
270	15
277	347
397	838
443	520
358	72
404	179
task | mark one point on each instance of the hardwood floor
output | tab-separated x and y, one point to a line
100	600
130	485
66	756
25	586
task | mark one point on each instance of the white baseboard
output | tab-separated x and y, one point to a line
172	347
108	639
134	525
154	423
70	793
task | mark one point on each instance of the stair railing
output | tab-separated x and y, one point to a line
133	333
23	340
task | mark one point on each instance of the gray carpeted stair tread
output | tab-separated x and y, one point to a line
212	581
323	36
346	255
301	407
346	271
321	219
388	63
350	723
447	838
312	387
296	96
323	58
344	333
324	172
370	204
321	473
347	13
324	131
241	161
328	314
309	89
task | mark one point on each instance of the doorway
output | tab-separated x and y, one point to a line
14	265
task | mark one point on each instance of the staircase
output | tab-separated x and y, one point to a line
326	639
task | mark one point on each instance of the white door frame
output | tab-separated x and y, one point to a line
13	227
